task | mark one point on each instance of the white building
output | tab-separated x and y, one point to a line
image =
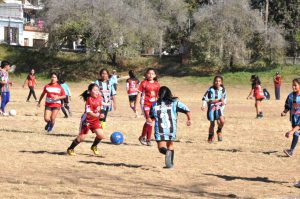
19	24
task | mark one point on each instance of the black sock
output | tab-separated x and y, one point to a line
219	129
74	144
211	134
64	111
163	150
172	158
96	141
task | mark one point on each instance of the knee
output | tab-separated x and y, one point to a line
163	150
212	125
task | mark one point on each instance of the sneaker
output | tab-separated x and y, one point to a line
5	114
297	185
27	101
142	140
149	143
71	152
95	150
168	159
220	139
65	116
288	152
210	138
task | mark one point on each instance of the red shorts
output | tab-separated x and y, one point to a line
85	126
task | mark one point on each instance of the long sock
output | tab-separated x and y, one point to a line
163	150
172	158
51	125
219	129
96	141
149	131
74	144
145	128
64	111
295	140
210	134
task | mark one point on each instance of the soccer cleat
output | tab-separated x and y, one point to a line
149	143
50	127
5	114
297	185
168	159
142	140
288	152
210	138
47	126
71	152
220	138
95	150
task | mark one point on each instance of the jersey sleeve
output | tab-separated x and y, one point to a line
224	96
288	102
113	90
88	106
206	96
182	108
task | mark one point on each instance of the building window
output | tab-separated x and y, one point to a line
11	35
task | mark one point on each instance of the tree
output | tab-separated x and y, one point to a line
225	36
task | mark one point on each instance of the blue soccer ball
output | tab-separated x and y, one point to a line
117	138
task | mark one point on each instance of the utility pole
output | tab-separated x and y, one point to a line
161	32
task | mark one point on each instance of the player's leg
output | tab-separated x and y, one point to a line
211	132
170	154
47	117
53	117
99	136
221	122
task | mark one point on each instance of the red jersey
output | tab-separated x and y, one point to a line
52	90
149	92
31	81
277	81
132	86
258	92
93	105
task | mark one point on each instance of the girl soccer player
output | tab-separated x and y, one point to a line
108	93
54	94
90	119
164	112
5	85
149	90
215	98
31	83
132	85
258	94
292	104
66	102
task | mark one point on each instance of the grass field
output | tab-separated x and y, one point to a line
249	163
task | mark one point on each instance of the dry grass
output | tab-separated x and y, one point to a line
248	164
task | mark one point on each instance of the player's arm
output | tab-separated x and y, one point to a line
296	128
250	94
189	118
205	101
25	82
41	97
287	106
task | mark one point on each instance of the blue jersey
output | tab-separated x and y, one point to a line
165	116
215	110
292	104
66	89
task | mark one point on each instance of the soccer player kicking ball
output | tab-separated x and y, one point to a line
164	112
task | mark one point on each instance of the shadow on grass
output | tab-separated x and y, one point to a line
226	150
61	135
256	179
44	152
112	164
16	131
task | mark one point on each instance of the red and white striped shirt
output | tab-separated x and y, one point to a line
51	91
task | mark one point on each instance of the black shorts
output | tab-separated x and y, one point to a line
132	98
65	100
51	108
